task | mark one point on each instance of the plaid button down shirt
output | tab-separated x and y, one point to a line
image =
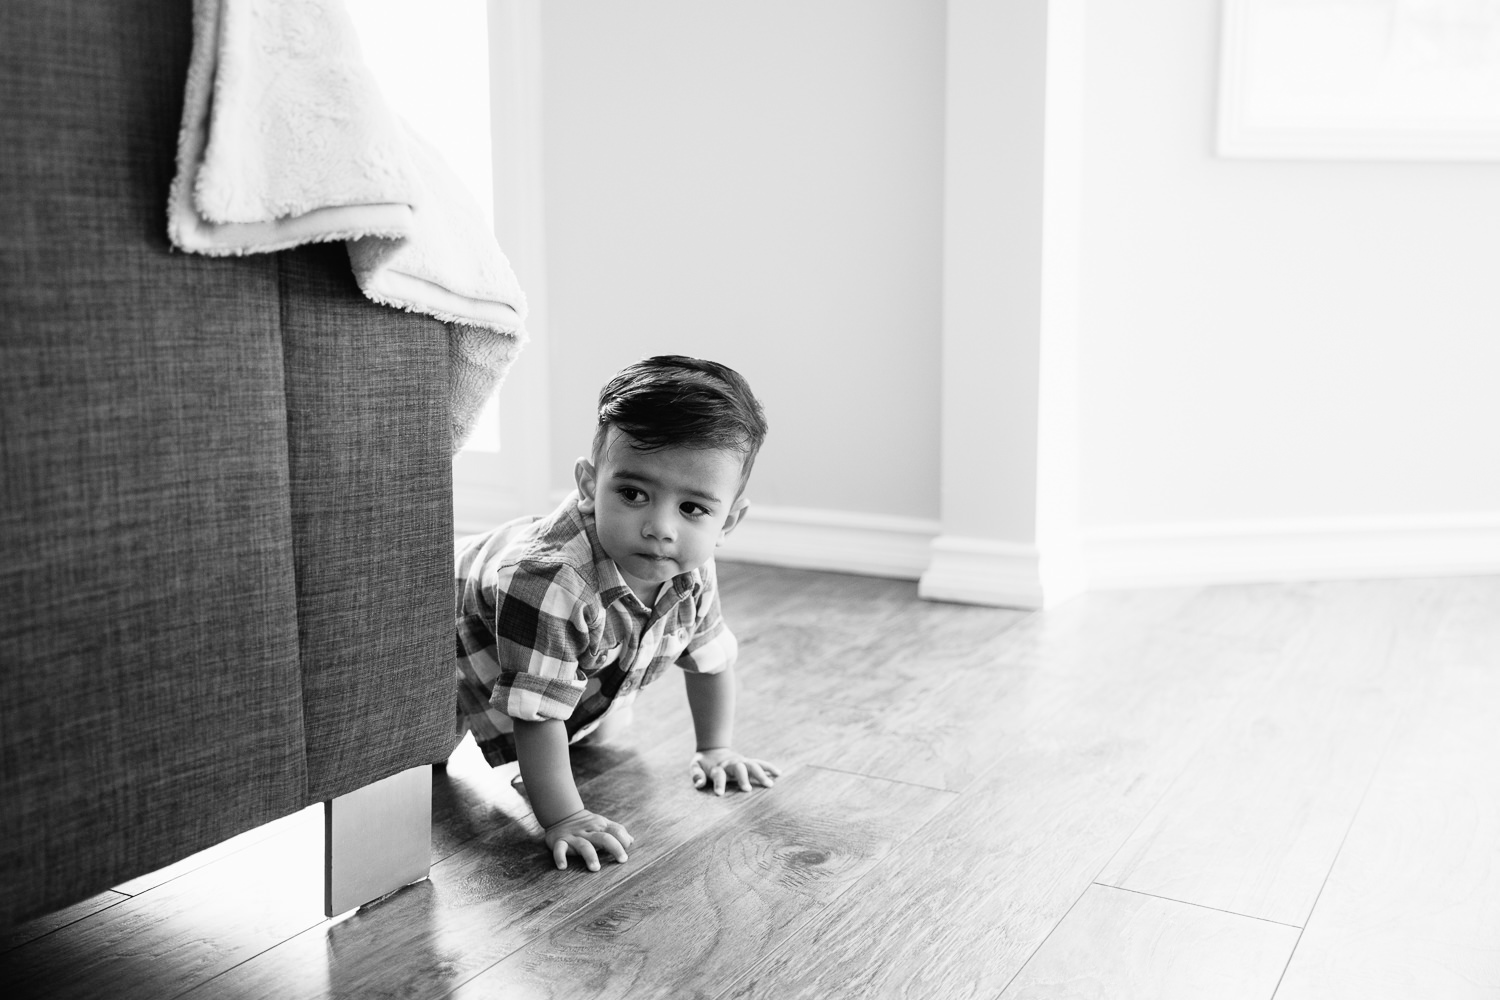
549	629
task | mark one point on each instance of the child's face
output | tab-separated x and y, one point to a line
660	513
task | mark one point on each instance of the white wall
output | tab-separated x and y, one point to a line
1272	340
1284	369
760	184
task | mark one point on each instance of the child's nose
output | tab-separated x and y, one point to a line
659	526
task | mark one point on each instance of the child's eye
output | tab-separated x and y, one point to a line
631	495
694	510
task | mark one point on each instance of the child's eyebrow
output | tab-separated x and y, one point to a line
642	478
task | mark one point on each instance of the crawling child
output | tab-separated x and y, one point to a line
562	619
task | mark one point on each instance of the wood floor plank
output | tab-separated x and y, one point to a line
1412	906
949	731
1129	946
691	926
487	900
1254	824
20	934
960	906
851	640
904	653
172	937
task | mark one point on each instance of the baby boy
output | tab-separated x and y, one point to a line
562	619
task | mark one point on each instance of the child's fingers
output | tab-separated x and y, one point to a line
760	772
560	854
745	772
608	841
620	833
586	852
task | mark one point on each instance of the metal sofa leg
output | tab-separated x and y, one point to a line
377	839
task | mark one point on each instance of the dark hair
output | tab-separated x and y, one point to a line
672	400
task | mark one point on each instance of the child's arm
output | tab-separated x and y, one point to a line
542	752
711	699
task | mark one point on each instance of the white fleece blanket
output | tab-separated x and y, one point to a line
286	139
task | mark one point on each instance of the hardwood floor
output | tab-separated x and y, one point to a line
1235	793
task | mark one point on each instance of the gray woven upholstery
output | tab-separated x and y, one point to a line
372	519
225	521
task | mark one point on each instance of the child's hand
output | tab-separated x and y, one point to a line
581	833
716	765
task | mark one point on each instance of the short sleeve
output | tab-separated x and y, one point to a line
713	648
542	633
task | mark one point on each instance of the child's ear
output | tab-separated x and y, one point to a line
736	515
584	476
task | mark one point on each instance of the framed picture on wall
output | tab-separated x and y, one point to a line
1360	79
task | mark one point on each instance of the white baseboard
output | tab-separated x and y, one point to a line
998	574
966	570
1267	551
840	541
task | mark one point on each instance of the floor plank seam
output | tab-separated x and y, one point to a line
1186	766
1201	906
1043	942
29	941
185	872
1333	862
1093	880
881	777
203	984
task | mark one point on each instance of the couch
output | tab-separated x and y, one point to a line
225	500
